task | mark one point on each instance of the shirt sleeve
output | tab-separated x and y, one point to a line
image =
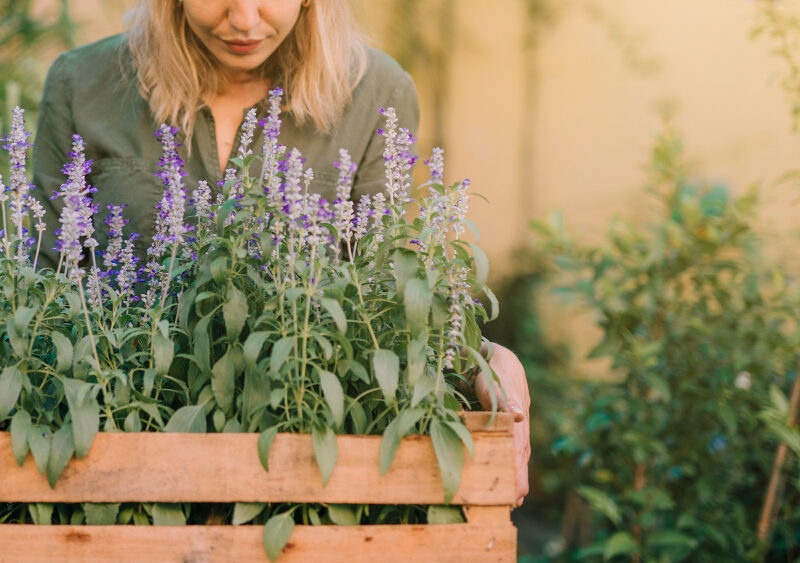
370	177
52	143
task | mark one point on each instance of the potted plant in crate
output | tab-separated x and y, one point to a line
260	308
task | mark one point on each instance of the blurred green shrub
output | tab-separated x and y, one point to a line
674	454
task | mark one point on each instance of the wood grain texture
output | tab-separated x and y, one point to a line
449	543
488	514
171	467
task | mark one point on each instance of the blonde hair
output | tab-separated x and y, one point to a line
318	64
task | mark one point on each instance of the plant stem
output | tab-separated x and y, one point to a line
88	323
169	271
767	520
38	247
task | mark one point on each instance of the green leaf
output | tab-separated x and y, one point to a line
619	544
265	443
787	435
464	434
602	503
202	346
607	347
22	318
18	343
358	370
20	426
277	532
41	513
357	416
335	310
483	365
10	387
417	348
334	395
326	450
100	514
778	400
394	433
417	300
450	456
343	514
387	371
280	351
422	388
234	313
168	514
64	351
132	422
163	352
187	419
252	348
481	267
39	441
61	450
223	382
405	265
325	344
670	538
85	414
438	514
243	512
494	310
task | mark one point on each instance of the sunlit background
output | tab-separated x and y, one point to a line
557	104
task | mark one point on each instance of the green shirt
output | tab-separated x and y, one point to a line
92	91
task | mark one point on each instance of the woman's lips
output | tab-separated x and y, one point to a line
242	47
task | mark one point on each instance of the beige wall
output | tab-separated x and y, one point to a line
602	68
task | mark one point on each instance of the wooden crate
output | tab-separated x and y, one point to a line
161	467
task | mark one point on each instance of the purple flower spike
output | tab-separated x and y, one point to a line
76	215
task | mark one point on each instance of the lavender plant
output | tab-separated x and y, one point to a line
259	308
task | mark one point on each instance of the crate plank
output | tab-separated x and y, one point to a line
487	514
171	467
449	543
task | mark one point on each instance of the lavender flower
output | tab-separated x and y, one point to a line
436	165
292	191
397	159
115	223
361	221
17	145
126	276
171	227
38	213
173	203
248	127
94	290
378	211
76	215
457	299
271	150
343	206
460	207
201	199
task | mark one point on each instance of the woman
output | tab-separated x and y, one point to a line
201	65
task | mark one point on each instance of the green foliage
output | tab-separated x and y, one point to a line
673	454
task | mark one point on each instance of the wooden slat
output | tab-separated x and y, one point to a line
450	543
488	514
171	467
477	421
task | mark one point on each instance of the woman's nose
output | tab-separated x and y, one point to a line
243	14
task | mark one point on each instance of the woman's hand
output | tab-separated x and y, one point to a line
518	401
